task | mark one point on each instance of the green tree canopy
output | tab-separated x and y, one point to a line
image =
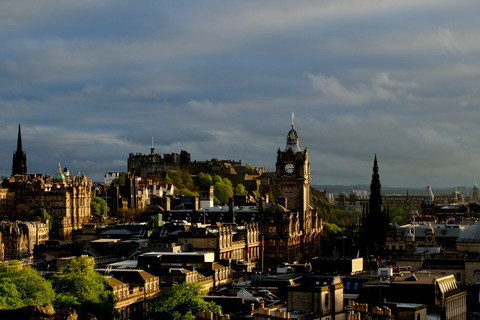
23	286
40	214
78	286
119	181
240	189
222	192
102	206
248	169
203	179
181	302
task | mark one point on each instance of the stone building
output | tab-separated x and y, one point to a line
65	198
19	238
291	228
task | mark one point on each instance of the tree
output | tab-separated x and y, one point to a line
94	209
181	302
248	169
240	189
203	179
80	287
23	286
100	206
222	192
40	214
118	181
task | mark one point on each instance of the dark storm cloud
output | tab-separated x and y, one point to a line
91	82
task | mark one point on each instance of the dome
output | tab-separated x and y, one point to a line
292	141
276	208
59	175
471	234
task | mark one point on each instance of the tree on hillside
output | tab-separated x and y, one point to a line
248	169
203	179
222	190
181	302
23	286
240	189
80	287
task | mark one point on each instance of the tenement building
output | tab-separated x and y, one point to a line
19	238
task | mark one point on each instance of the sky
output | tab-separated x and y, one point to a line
92	81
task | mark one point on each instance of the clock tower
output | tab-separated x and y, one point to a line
292	176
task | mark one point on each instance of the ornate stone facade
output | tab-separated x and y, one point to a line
292	227
19	238
66	198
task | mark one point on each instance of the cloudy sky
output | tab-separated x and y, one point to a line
92	81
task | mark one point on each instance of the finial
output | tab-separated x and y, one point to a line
293	117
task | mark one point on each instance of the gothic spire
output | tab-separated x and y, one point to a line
19	140
19	165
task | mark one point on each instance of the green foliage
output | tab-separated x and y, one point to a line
181	302
240	189
203	179
23	286
182	182
40	214
248	169
120	181
321	204
222	192
101	207
78	286
94	209
397	215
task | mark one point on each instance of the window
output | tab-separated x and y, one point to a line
348	285
355	287
458	277
477	277
327	298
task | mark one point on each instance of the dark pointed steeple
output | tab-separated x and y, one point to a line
19	165
375	223
375	203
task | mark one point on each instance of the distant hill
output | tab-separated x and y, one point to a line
389	190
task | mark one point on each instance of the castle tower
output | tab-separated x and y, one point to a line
375	221
19	165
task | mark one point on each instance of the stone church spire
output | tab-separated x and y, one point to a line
19	165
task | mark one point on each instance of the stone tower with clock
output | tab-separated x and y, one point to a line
292	178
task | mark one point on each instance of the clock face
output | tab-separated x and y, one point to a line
289	168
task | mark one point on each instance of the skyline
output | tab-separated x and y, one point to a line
90	83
